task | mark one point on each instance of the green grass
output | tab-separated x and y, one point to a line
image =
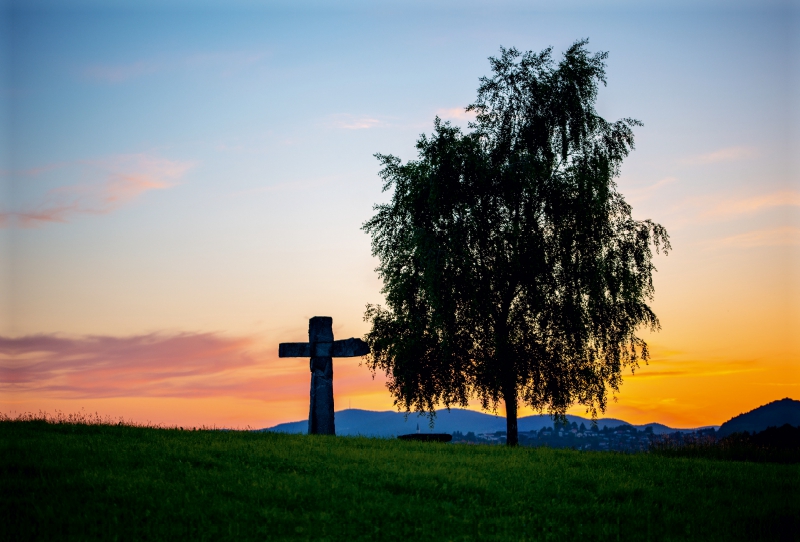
79	481
774	445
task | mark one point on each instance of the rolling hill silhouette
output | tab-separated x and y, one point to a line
352	422
774	414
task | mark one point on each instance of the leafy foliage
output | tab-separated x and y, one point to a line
512	267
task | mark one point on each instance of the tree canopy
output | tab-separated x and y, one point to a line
513	269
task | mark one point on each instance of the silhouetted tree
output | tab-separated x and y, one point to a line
512	267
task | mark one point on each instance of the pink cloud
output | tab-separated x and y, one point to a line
353	122
455	113
112	182
753	204
186	365
717	207
644	193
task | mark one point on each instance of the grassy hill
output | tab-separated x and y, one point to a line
774	414
81	482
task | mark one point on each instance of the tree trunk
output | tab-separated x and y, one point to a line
508	380
512	435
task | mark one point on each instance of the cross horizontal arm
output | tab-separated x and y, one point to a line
294	350
347	348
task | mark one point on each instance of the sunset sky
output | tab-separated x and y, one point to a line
183	188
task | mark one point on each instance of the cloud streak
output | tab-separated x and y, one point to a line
753	204
354	122
717	208
455	113
112	183
634	195
769	237
186	365
670	363
728	154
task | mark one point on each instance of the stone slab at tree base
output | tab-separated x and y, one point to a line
428	437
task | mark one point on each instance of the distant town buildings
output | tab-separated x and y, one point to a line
623	438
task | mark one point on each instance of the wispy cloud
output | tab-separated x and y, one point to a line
665	368
785	236
644	193
355	122
721	207
111	182
455	113
669	362
728	154
153	365
753	204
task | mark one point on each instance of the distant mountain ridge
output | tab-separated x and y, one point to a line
354	422
774	414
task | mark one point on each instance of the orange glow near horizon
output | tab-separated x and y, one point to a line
241	384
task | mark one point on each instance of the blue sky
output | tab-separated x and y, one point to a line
174	169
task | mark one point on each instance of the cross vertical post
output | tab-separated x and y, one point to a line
320	411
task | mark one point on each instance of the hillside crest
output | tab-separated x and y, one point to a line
774	414
352	422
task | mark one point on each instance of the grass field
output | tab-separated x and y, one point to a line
79	481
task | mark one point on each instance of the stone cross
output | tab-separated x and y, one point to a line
321	348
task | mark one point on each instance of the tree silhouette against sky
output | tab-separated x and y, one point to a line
513	270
